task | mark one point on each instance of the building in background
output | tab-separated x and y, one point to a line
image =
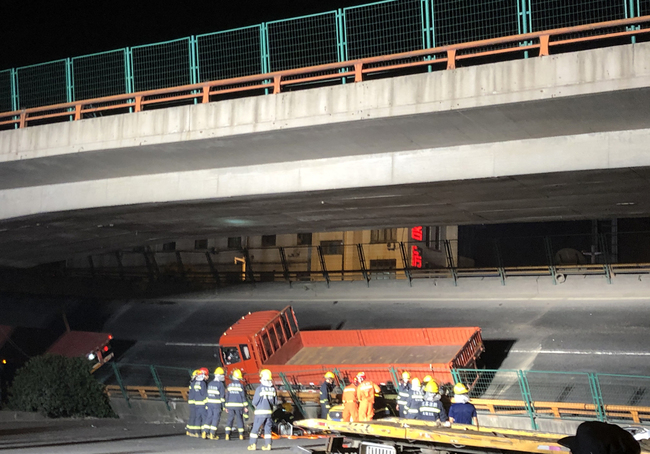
381	253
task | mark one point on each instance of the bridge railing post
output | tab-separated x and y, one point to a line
120	383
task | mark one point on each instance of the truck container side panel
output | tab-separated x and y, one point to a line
251	323
440	372
380	354
426	336
287	351
330	338
379	373
445	336
394	337
78	343
470	351
305	377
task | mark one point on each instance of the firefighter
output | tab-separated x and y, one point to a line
415	399
189	428
325	397
264	400
404	391
201	401
461	411
366	396
236	404
350	402
425	382
432	408
216	399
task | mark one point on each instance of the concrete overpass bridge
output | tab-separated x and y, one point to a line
555	137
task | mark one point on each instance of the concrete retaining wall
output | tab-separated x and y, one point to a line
153	411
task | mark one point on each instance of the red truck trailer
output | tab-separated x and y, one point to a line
93	346
272	340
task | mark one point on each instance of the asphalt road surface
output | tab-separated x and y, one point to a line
102	436
583	325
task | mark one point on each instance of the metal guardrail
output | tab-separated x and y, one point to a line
208	278
557	410
560	410
532	394
381	28
442	57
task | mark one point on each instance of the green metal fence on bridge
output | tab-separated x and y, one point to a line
373	29
527	394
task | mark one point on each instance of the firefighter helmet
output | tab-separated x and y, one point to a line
361	376
265	374
236	374
459	388
406	376
431	387
416	383
427	379
329	374
219	371
195	372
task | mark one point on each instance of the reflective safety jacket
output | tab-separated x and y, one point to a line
350	394
404	393
190	393
264	400
432	410
200	392
216	393
414	403
366	391
235	395
325	390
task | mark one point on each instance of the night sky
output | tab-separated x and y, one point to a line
38	31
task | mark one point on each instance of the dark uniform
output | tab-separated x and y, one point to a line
414	403
216	399
264	400
325	398
235	404
189	428
463	413
432	410
404	393
200	402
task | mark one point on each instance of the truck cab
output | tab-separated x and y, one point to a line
255	338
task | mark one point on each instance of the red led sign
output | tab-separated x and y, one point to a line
416	257
416	233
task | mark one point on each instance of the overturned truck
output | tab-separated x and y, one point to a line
272	340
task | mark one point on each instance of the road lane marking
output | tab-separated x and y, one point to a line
582	352
189	344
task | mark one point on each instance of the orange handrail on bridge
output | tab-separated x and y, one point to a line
493	406
558	409
357	68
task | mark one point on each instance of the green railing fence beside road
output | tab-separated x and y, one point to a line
380	28
524	393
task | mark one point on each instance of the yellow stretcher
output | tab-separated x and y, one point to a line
429	435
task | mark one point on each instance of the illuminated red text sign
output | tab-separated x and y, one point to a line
416	255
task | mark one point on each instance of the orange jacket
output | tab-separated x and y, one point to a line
350	393
367	390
